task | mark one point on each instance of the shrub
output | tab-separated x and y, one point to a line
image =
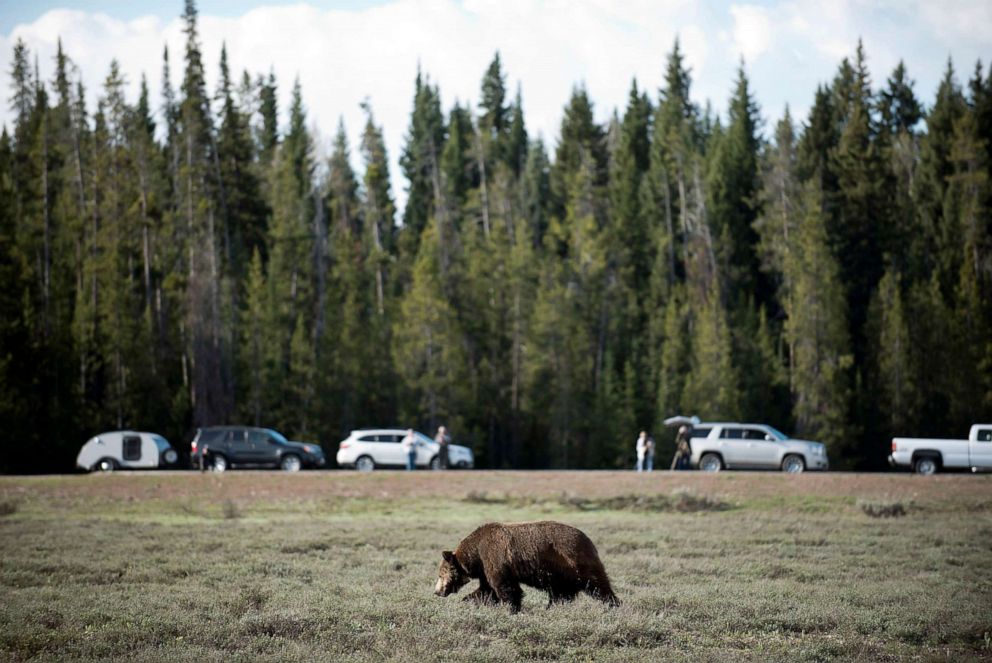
883	508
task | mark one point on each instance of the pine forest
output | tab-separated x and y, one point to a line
192	263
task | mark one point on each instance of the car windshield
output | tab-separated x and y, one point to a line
277	436
423	438
161	443
779	434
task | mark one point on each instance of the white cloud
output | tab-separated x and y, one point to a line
752	30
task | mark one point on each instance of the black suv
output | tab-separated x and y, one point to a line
226	446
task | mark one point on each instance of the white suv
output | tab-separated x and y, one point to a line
369	448
716	446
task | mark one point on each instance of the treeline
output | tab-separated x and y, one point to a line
194	265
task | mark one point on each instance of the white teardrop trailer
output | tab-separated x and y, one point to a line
126	450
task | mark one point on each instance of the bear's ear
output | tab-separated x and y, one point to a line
449	557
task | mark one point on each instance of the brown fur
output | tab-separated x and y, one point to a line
553	557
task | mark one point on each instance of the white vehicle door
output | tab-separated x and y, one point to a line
389	449
980	449
425	450
731	443
760	451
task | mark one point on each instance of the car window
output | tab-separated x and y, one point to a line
700	432
423	438
732	433
777	433
236	436
367	438
279	438
212	435
392	438
132	447
754	434
257	437
985	434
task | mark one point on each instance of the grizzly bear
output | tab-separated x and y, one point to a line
549	556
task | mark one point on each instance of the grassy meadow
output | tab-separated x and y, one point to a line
340	566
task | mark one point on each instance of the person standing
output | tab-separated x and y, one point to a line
649	455
409	444
443	440
641	447
683	450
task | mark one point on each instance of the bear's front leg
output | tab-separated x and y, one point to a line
484	595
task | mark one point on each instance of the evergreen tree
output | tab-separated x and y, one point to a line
244	209
895	382
516	141
535	188
816	331
732	186
268	134
420	160
210	383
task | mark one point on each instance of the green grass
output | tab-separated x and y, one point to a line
141	568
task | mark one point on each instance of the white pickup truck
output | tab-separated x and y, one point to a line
928	456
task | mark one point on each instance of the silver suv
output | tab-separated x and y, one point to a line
371	448
719	445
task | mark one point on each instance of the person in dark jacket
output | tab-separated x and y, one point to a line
443	440
683	449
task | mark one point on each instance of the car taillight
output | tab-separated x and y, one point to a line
344	445
194	446
894	445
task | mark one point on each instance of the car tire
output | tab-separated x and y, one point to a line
171	456
364	464
435	463
710	463
105	465
290	463
925	465
219	463
793	464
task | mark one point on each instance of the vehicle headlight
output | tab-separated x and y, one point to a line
820	450
310	449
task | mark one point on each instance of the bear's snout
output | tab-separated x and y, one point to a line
439	588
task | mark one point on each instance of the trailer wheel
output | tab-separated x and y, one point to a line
105	465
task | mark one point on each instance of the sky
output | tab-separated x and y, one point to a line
346	51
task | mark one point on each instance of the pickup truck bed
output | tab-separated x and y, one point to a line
929	455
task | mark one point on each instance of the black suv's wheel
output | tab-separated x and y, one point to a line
710	463
926	465
365	464
793	464
291	463
219	463
105	465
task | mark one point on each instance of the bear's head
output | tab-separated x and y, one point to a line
451	575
